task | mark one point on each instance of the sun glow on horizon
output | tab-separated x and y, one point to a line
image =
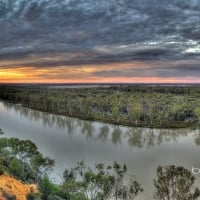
137	72
9	74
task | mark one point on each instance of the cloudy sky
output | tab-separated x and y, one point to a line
100	41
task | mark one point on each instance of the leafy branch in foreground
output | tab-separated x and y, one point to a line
175	183
22	159
104	182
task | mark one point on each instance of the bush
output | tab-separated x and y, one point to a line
46	187
33	196
1	170
15	168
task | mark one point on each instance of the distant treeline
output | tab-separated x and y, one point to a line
142	106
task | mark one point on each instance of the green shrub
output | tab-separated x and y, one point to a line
1	170
33	196
15	168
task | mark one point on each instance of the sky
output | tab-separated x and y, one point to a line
100	41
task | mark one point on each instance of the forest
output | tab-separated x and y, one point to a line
130	105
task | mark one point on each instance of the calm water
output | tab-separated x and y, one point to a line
68	140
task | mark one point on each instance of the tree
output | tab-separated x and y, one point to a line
122	190
101	183
116	109
197	112
175	183
33	196
46	187
15	168
41	165
134	111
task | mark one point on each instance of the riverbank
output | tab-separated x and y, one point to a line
135	106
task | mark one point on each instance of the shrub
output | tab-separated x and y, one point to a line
1	170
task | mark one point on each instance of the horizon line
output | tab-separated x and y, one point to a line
104	83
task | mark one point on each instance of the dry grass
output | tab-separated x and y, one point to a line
12	186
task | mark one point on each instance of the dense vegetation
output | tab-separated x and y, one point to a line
143	106
22	160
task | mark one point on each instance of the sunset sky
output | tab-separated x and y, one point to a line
72	41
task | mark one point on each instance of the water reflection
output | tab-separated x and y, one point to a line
87	129
137	137
103	132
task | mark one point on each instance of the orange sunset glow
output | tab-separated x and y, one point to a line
87	74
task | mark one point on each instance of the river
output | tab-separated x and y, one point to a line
69	140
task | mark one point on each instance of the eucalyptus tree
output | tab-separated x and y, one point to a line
175	183
101	183
40	165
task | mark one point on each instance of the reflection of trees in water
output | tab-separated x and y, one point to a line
116	135
197	137
134	137
70	124
87	129
141	137
137	137
103	132
197	140
46	118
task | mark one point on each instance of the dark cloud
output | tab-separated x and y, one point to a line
100	32
164	71
87	57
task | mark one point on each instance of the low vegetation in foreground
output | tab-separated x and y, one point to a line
22	161
142	106
24	175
